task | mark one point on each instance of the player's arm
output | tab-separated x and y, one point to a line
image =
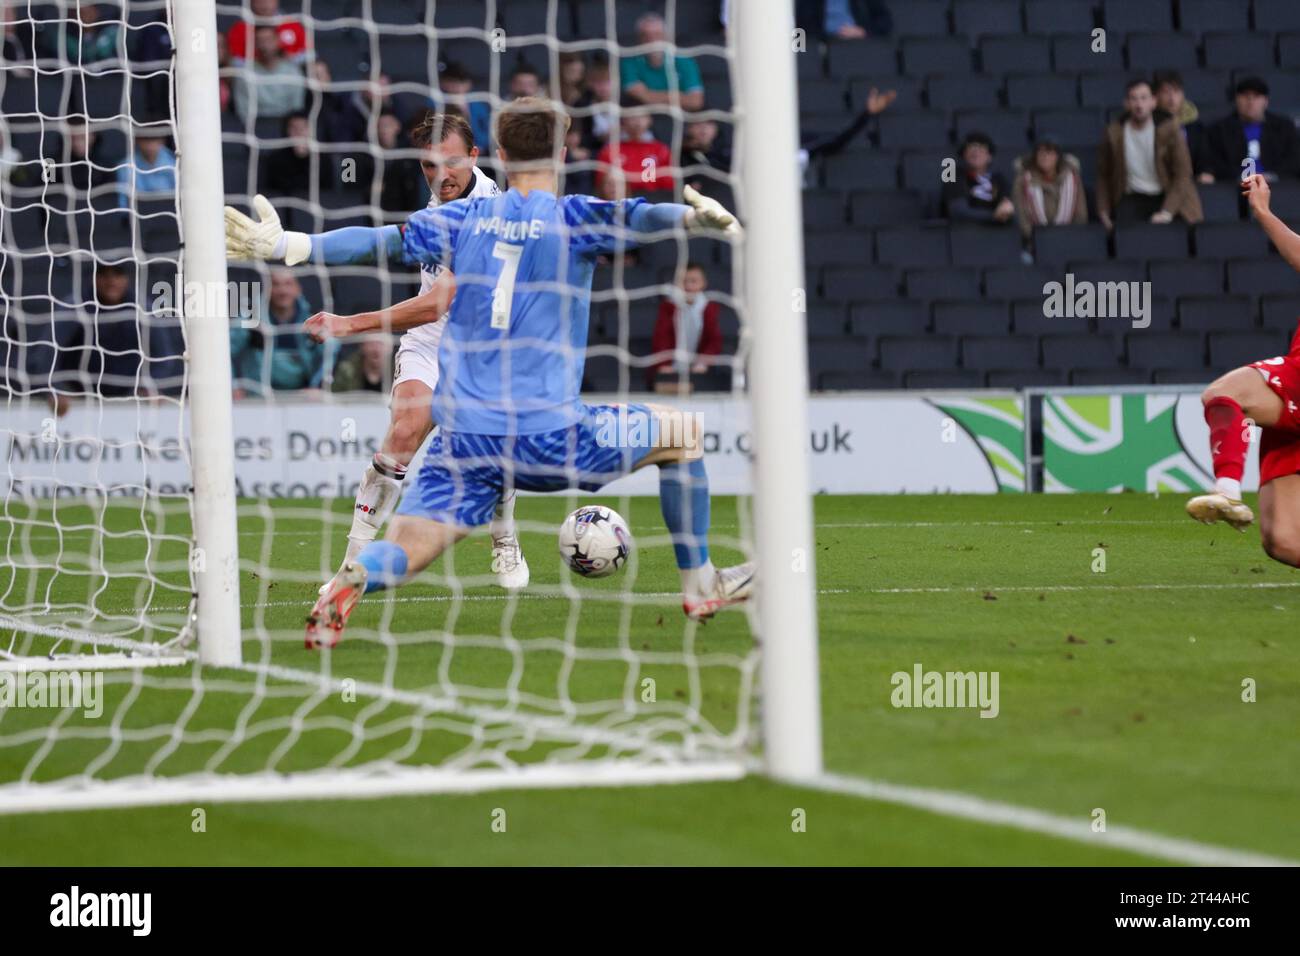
700	213
418	310
267	240
1287	242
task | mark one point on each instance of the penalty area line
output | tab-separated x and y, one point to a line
951	803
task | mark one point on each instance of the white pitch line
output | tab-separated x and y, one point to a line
965	806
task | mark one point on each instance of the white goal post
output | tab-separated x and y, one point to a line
208	705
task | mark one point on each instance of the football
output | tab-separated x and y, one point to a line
595	541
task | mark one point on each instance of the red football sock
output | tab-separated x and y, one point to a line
1228	441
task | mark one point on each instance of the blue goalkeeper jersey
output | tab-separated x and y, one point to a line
514	347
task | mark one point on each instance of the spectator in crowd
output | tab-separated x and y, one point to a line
276	354
224	72
1168	85
17	38
456	85
288	170
576	179
403	187
688	327
815	145
1252	133
86	172
841	19
275	89
367	369
701	148
94	38
372	101
634	159
979	193
1144	171
573	77
525	81
596	107
1048	188
291	36
16	169
152	168
99	350
645	76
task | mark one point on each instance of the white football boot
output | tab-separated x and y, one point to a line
508	563
1217	506
731	586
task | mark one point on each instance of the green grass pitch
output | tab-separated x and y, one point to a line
1119	689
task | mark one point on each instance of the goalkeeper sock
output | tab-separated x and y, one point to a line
502	524
381	487
684	501
1228	441
385	563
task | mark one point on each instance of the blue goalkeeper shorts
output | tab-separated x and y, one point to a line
464	475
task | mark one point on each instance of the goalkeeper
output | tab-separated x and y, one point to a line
449	164
507	399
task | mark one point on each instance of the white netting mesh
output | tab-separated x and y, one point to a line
448	672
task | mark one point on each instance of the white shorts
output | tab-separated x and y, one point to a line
415	363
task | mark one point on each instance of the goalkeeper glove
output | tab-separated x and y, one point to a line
266	239
706	213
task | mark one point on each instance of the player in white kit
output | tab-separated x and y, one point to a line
449	166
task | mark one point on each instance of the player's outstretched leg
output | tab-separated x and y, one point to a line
684	501
411	545
508	562
1234	404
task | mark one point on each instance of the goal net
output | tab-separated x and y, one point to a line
180	461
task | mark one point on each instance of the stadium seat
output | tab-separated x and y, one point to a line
929	284
1285	203
1165	350
1102	91
1232	349
916	18
1042	91
1208	89
827	320
822	209
1162	316
852	283
919	170
1125	16
1025	378
1216	312
943	378
912	246
1092	377
847	354
847	58
1288	51
1204	16
977	18
1070	126
1175	51
1027	318
885	208
918	352
1059	16
1226	51
920	130
922	55
964	91
1229	240
837	248
824	95
1056	244
890	317
858	379
1016	53
861	170
971	318
1144	240
981	245
1107	270
1182	276
1009	129
1256	277
1073	53
1277	16
1017	282
1221	202
1080	351
1280	312
999	351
